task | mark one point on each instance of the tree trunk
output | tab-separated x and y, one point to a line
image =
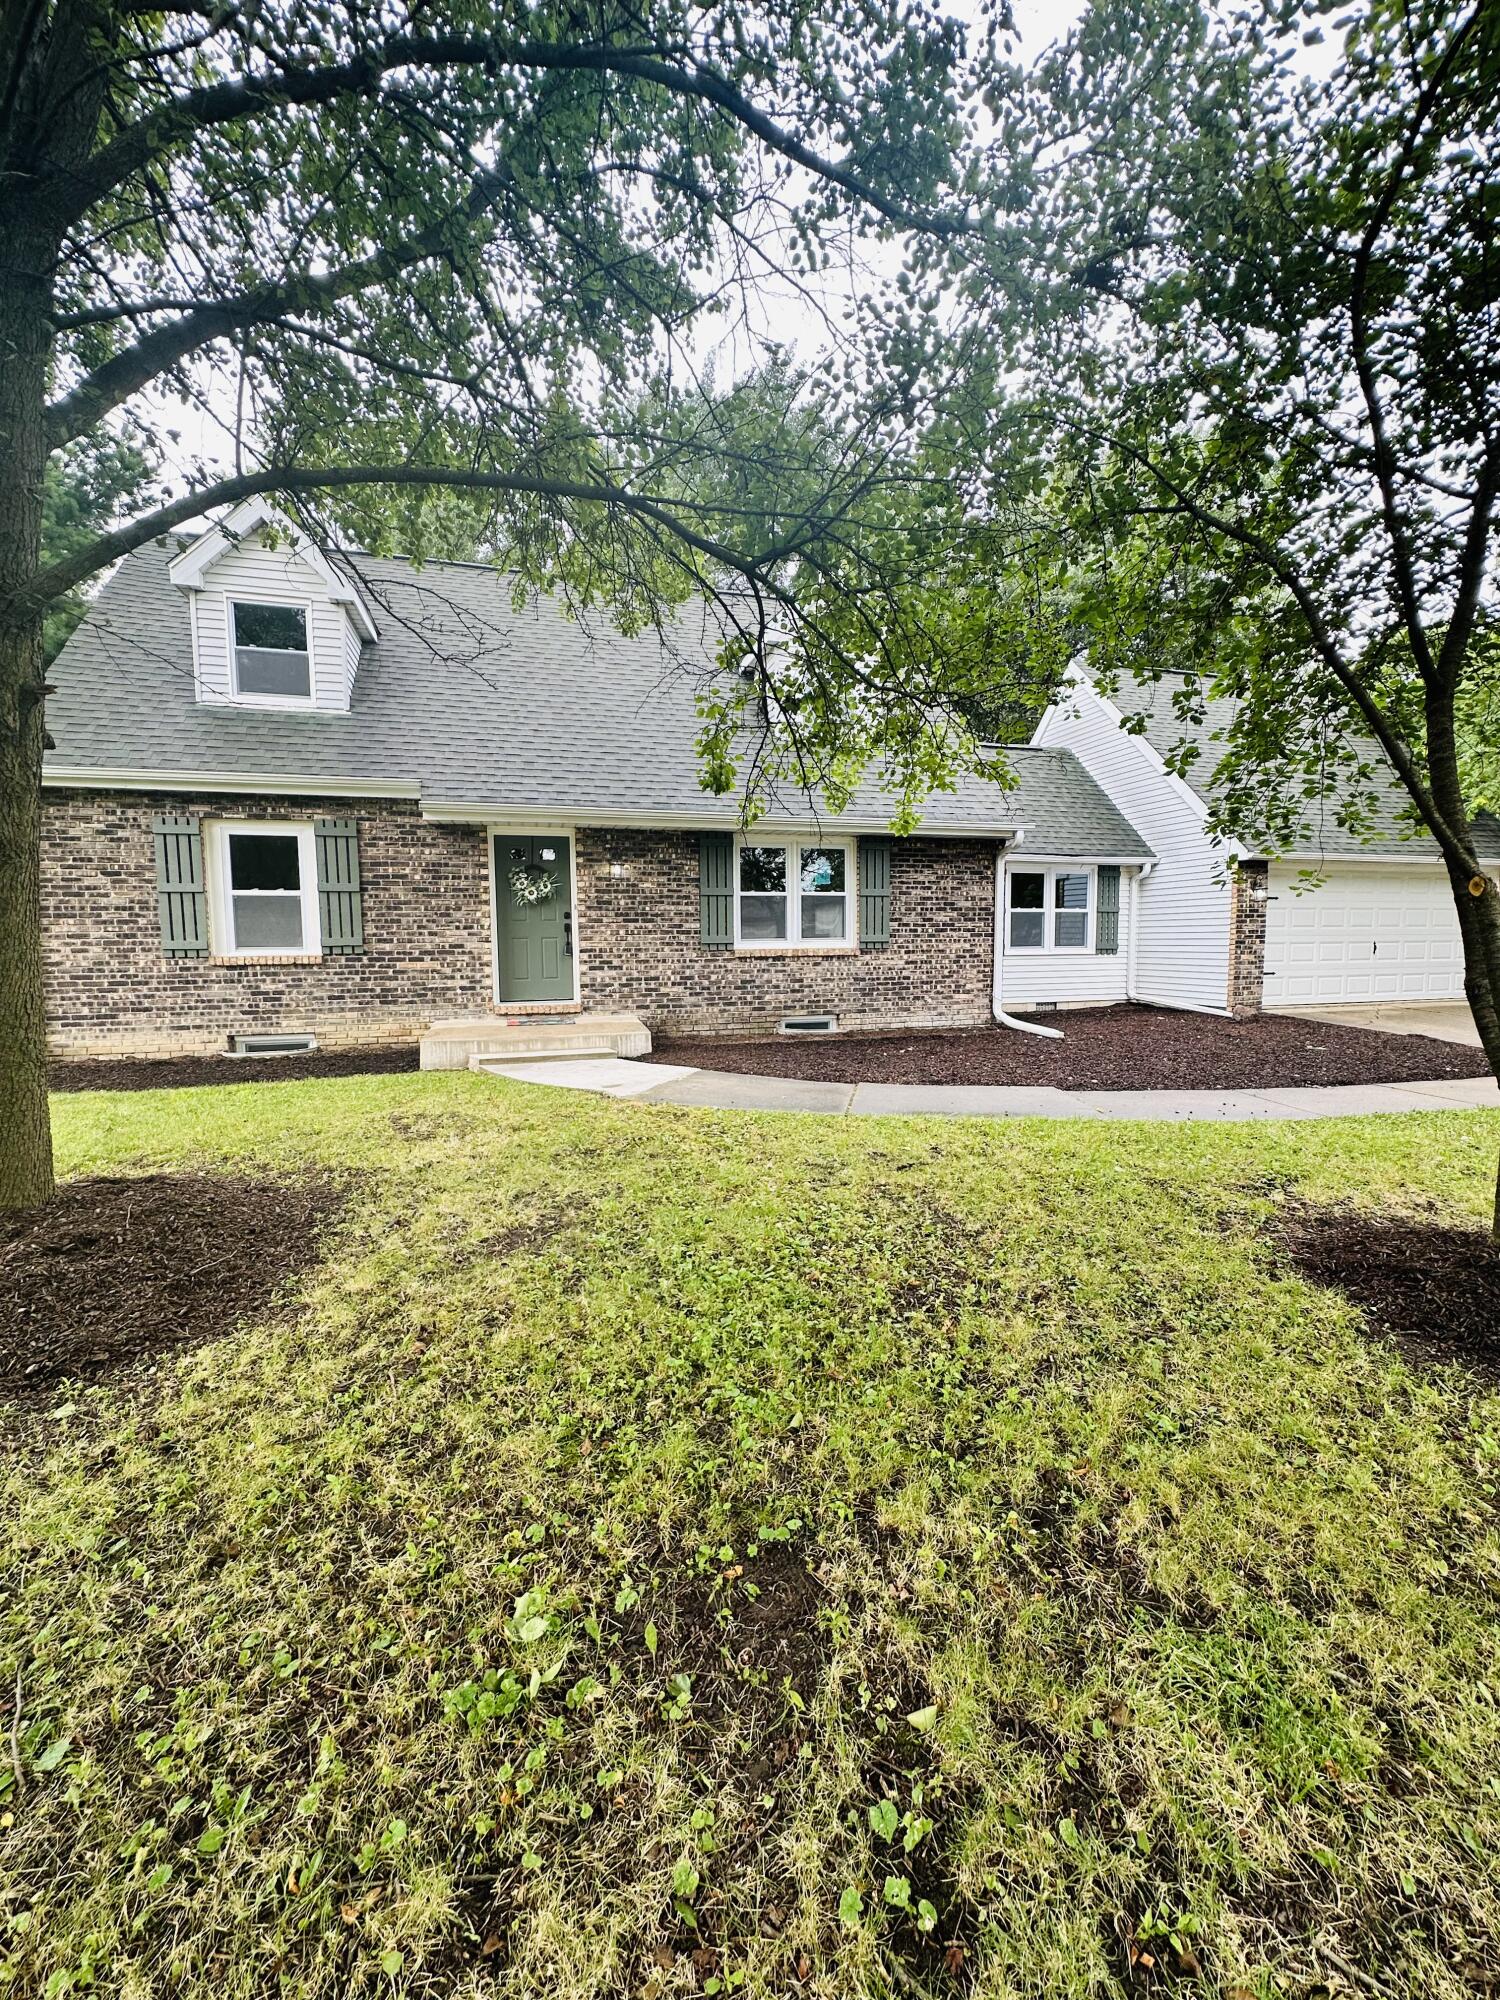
1478	915
25	345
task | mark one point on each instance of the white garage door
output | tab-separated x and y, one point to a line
1368	933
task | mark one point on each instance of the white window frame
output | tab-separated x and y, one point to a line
793	843
221	895
1050	870
302	604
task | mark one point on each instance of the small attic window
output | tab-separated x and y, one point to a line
271	659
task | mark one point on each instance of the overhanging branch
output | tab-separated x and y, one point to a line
50	584
119	378
152	137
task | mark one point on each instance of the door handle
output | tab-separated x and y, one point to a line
568	932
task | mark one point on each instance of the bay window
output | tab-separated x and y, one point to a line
791	893
1049	909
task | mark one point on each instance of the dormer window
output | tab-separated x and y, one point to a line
271	658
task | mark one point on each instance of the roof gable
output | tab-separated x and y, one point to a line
192	567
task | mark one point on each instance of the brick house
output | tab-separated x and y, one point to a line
351	799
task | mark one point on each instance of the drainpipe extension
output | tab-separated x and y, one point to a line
1002	1019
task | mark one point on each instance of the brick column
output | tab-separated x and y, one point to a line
1247	938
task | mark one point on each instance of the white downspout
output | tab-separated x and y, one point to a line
1002	1019
1136	880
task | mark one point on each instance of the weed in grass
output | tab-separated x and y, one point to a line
656	1553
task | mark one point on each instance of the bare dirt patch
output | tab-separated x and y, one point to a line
1433	1288
112	1271
187	1072
1103	1048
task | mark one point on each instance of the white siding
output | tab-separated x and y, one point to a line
1181	954
255	571
1071	979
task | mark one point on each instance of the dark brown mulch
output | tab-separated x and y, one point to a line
113	1271
1103	1048
181	1072
1434	1288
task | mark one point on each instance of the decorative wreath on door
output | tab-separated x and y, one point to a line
530	886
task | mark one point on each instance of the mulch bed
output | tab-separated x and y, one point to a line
1103	1048
181	1072
1433	1288
112	1271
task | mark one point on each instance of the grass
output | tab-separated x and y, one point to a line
663	1552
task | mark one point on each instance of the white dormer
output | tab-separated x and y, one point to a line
275	624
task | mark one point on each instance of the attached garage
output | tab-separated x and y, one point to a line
1366	933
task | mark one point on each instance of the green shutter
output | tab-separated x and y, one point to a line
340	903
874	894
181	905
716	889
1107	921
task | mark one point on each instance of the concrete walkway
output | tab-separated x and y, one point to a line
669	1083
1441	1020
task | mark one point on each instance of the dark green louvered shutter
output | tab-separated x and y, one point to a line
874	894
1107	925
716	889
340	903
181	905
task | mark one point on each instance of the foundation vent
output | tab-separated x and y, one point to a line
272	1045
808	1024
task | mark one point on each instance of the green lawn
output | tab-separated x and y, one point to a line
662	1552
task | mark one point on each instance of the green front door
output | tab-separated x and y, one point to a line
534	917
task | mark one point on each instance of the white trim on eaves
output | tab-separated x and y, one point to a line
94	778
1081	682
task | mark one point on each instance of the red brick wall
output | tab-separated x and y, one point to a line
427	928
110	990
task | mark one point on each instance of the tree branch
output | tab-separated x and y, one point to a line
145	141
1385	456
1323	641
133	367
67	575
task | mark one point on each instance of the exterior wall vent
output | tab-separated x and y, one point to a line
272	1045
808	1024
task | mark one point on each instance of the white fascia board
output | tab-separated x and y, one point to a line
188	568
1074	677
94	778
1308	859
495	813
1081	855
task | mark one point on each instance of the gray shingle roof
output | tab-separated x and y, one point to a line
1391	829
471	700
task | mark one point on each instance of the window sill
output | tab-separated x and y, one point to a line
265	958
796	951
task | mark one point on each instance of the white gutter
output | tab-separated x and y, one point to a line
1002	1019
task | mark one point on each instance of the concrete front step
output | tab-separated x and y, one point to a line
454	1044
496	1065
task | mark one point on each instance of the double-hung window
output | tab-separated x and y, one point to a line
791	893
1049	909
271	658
264	878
